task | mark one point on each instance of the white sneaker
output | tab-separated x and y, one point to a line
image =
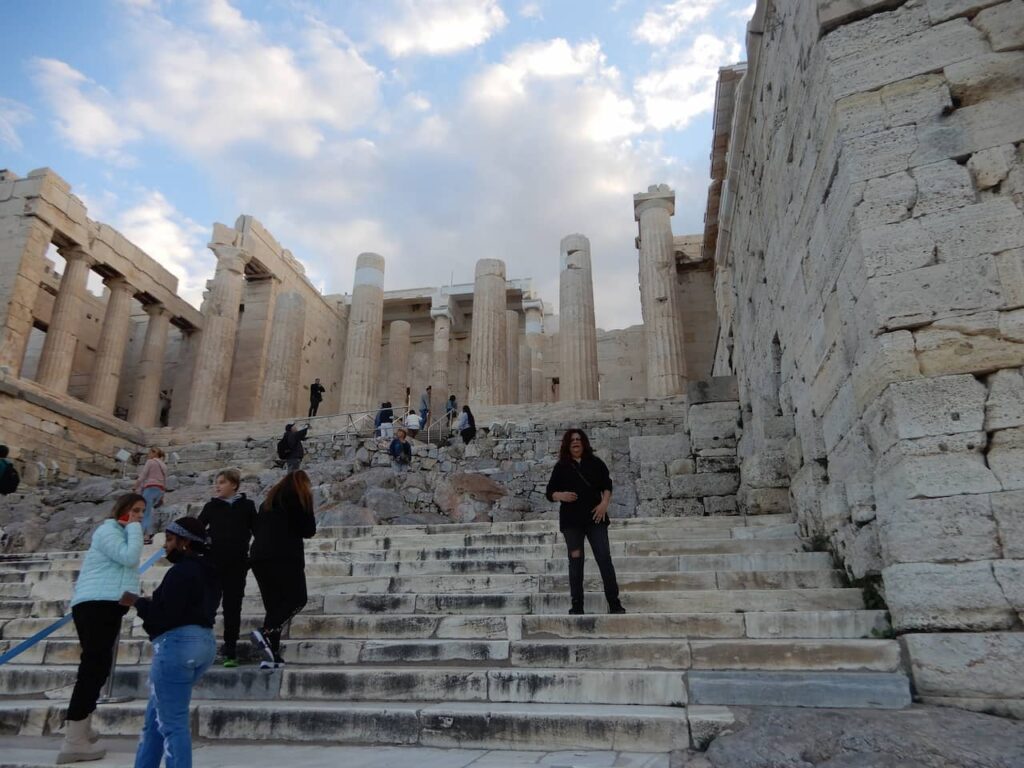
261	642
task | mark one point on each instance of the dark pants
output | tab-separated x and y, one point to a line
232	581
97	623
468	434
597	535
283	589
313	406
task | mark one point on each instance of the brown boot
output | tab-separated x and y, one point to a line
76	747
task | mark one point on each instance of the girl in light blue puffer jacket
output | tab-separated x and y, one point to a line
110	568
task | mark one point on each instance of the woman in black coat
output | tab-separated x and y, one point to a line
581	483
278	559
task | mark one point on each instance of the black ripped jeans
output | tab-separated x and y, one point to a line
597	535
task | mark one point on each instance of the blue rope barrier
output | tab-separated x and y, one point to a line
42	634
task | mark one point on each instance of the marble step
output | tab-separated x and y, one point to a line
479	725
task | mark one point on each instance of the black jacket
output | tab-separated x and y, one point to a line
280	529
293	440
230	526
189	594
587	479
316	392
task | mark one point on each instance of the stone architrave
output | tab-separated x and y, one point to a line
145	408
666	367
58	352
512	355
488	360
525	357
399	345
362	349
284	356
534	310
106	370
22	260
223	297
440	387
577	329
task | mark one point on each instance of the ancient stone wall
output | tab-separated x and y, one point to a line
872	232
621	363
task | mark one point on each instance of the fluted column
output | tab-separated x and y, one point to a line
217	343
362	350
576	327
284	356
398	363
440	388
58	353
106	370
488	361
512	356
534	310
525	357
145	407
666	367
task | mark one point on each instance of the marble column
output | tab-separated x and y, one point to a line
145	407
284	358
440	387
512	356
106	369
666	367
23	248
398	365
525	358
488	360
58	352
214	358
534	310
362	349
576	327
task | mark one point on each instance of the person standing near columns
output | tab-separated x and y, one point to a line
577	331
217	343
534	309
362	350
58	353
146	406
488	363
666	368
316	396
106	370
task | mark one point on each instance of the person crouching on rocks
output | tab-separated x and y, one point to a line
580	481
400	451
110	568
230	519
179	621
278	559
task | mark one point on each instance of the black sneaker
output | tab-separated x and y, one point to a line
616	607
576	610
261	643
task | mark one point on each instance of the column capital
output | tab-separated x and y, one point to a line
536	304
656	196
443	311
230	257
119	283
156	309
76	253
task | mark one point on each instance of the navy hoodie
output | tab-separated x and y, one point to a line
188	595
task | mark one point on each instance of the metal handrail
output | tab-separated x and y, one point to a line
442	418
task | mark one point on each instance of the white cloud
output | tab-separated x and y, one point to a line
531	10
438	27
173	240
673	96
666	23
12	114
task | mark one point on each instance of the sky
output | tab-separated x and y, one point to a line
433	132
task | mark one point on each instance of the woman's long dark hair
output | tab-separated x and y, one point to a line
124	503
563	449
295	484
472	421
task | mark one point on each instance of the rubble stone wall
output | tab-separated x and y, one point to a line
872	234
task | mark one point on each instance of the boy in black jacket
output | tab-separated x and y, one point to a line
230	519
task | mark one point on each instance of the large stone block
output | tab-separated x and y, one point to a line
943	10
929	596
704	484
1008	511
1003	25
968	232
713	425
983	665
977	343
1006	457
989	123
991	166
1004	406
763	501
765	470
933	474
1010	577
940	187
948	529
717	389
889	357
655	449
987	77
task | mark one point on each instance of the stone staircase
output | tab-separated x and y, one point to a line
458	636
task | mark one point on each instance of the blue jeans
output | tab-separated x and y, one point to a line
152	495
180	657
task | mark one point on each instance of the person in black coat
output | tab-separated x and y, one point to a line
294	450
278	559
582	485
230	519
316	396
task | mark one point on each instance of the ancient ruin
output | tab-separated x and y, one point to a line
816	436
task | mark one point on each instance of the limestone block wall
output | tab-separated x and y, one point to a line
622	363
872	233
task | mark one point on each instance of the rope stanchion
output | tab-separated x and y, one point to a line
42	634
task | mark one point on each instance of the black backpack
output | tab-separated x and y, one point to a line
9	479
282	447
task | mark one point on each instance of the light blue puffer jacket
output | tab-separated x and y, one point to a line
111	566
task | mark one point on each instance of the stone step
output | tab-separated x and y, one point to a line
15	589
479	725
877	690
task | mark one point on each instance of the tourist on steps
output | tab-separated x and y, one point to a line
316	396
385	419
278	560
151	483
179	621
400	451
582	485
110	568
451	411
230	519
467	425
413	424
425	407
294	451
